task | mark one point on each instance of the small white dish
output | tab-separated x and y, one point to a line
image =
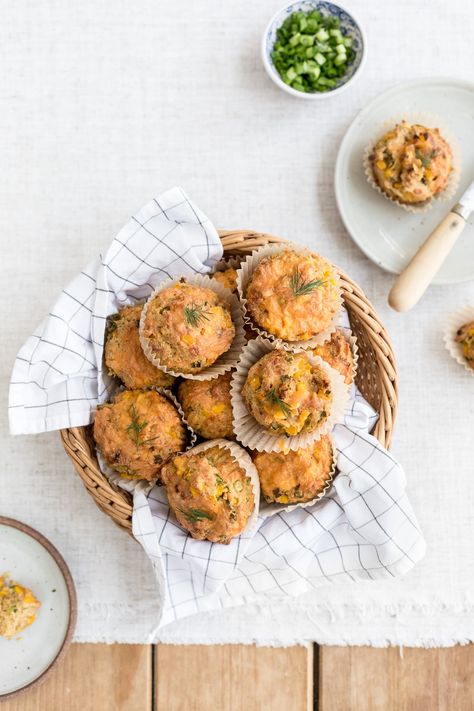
349	25
29	558
386	233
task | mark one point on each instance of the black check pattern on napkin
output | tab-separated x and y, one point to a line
57	378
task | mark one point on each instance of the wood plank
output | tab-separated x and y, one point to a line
233	678
369	679
94	677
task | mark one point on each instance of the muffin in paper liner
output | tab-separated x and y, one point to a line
352	340
244	460
227	360
227	263
270	509
429	121
126	483
250	433
455	321
243	277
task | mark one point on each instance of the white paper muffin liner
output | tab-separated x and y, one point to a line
244	460
228	359
352	340
270	509
455	321
243	277
429	121
246	428
124	482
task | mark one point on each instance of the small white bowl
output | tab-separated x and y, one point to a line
349	25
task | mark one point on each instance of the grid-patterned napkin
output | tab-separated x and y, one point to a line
363	529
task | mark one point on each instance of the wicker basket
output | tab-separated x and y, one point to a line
376	379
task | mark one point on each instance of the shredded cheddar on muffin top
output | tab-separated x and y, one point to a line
138	432
18	607
411	163
207	407
287	394
293	296
124	356
465	336
187	327
295	477
210	494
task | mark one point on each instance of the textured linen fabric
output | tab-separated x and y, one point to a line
104	104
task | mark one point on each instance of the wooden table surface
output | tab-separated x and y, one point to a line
98	677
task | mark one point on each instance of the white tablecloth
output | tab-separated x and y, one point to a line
105	104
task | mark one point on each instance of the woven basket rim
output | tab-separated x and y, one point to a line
377	378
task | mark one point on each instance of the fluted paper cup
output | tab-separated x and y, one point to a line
454	323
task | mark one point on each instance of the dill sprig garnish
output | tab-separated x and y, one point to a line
300	287
195	313
135	428
275	400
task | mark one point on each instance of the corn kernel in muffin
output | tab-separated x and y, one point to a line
124	356
187	327
287	394
465	336
293	296
210	494
297	476
138	432
207	407
411	163
336	351
227	278
18	607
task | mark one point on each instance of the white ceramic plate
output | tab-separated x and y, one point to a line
31	560
387	234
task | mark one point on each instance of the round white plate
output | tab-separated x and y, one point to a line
33	561
387	234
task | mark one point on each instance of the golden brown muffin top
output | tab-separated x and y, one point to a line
294	477
18	607
465	336
124	356
188	327
138	432
207	407
293	296
287	394
210	494
227	278
412	163
336	352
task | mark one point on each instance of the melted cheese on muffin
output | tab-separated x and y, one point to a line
293	296
188	327
336	351
18	607
124	356
465	336
287	394
210	494
412	163
207	407
138	432
295	476
227	278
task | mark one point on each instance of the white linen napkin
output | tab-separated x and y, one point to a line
364	529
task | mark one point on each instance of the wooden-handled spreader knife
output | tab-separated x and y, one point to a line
417	276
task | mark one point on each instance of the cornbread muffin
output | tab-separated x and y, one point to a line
465	336
227	278
293	296
411	163
295	477
287	394
207	407
209	493
124	356
18	607
138	432
187	327
336	351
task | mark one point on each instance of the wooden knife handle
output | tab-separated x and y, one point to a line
417	276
